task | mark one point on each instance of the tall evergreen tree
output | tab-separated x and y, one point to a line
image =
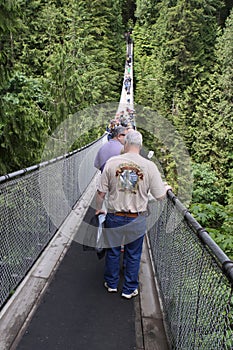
183	40
212	117
182	76
9	23
66	56
128	11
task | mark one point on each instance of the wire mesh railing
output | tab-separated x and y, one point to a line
33	204
195	280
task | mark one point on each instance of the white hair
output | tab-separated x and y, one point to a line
134	138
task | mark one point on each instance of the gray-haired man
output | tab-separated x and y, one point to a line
128	179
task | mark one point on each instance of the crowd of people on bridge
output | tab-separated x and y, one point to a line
126	180
123	118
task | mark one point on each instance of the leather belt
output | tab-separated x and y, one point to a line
128	215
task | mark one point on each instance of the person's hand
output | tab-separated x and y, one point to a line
167	187
101	211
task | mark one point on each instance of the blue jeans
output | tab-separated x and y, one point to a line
130	232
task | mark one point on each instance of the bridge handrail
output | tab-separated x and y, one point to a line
225	262
34	202
194	278
21	172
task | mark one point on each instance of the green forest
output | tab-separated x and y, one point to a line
58	57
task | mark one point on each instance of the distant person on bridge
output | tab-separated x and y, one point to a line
110	128
127	83
128	37
128	60
127	179
111	148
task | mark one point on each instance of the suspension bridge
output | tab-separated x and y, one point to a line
52	294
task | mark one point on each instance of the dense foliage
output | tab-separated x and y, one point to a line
57	57
184	70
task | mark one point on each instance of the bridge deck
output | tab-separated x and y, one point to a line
76	312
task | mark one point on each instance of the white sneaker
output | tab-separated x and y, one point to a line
110	290
129	296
